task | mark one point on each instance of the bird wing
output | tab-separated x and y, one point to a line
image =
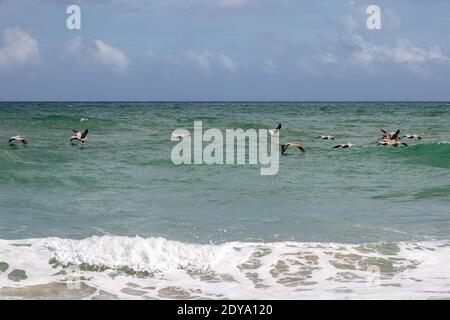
300	147
296	145
396	134
279	126
338	146
85	133
284	147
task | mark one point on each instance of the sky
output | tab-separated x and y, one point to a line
303	50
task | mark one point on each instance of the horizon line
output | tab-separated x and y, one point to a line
223	101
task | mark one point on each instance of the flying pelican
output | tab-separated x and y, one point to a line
18	138
79	137
275	132
413	136
390	135
285	146
345	146
179	136
391	139
327	137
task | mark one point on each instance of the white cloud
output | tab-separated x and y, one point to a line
363	53
227	63
403	52
111	56
315	65
269	66
206	60
19	49
328	57
373	58
407	52
357	51
98	52
201	59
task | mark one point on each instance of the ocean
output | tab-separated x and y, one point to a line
116	218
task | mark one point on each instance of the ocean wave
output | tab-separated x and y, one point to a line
431	154
124	267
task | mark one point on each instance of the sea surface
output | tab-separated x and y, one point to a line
115	218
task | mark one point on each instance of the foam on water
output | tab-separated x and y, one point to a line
123	267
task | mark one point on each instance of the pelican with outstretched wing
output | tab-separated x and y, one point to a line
285	146
78	136
17	138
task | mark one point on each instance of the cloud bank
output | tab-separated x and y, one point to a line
207	60
19	49
97	52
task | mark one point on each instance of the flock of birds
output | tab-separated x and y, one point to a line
388	139
76	137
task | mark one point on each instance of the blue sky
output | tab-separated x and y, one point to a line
224	50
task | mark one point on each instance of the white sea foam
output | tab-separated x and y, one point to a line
159	268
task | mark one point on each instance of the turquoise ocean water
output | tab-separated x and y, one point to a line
134	225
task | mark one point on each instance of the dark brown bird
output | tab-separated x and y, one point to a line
391	139
297	145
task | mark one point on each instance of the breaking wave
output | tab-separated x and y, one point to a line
129	268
